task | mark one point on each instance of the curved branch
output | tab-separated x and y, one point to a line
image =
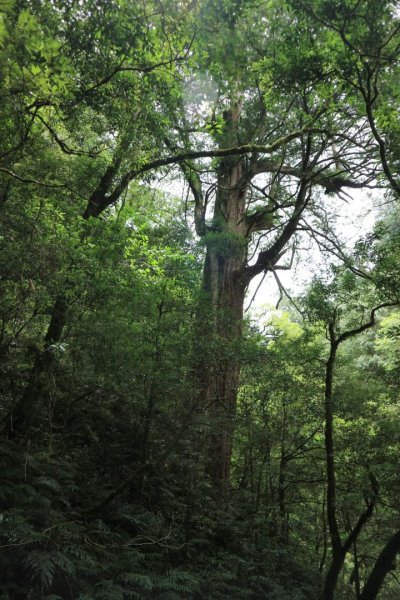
193	179
31	180
366	94
352	332
382	566
181	157
268	258
62	144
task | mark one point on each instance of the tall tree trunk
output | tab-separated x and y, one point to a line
223	299
225	279
224	293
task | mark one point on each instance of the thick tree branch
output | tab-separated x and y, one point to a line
268	258
382	566
98	199
181	157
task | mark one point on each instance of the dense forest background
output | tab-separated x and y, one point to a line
158	159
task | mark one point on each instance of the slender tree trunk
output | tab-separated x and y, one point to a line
324	540
283	514
339	548
329	454
20	418
332	576
356	573
336	544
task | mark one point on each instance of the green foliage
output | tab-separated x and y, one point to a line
107	493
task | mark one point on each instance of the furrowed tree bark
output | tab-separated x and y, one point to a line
223	299
226	276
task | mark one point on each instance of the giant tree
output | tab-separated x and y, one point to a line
274	130
264	81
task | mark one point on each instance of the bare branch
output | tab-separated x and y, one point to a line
283	291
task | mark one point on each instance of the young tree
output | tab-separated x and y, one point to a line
326	303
